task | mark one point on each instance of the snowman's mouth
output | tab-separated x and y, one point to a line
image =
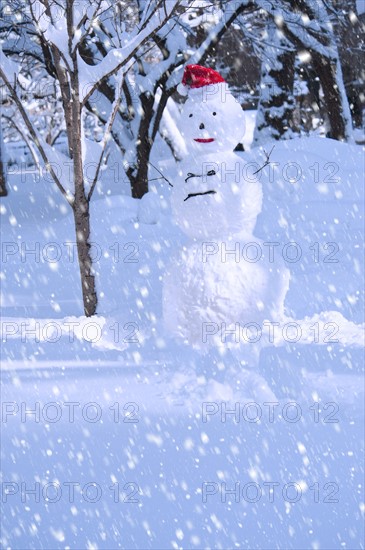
190	195
204	140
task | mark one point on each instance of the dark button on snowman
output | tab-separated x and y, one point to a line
207	289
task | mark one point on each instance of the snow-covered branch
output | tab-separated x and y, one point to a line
214	35
118	58
107	133
304	32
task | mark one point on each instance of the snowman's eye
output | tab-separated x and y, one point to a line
190	116
214	113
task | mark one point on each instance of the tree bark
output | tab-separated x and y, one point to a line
326	62
81	206
82	226
3	189
335	101
138	172
81	212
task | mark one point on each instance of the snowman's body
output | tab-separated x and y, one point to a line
214	283
222	279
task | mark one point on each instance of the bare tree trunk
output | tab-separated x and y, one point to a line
82	226
3	189
277	103
81	205
336	102
138	172
138	177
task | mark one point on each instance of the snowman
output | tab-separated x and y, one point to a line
221	286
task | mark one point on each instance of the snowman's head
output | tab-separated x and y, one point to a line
211	118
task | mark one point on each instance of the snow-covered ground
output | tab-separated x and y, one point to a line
132	442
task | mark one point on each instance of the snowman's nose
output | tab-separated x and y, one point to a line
201	127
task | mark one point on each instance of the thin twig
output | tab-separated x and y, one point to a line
267	161
159	171
28	142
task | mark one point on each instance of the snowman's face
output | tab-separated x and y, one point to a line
211	122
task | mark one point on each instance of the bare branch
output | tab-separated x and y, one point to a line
162	176
28	142
267	161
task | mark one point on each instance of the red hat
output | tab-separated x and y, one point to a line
196	76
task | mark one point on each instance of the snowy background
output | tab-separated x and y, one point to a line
115	432
130	447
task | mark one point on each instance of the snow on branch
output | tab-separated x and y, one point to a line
87	18
120	57
52	26
311	34
107	133
213	36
